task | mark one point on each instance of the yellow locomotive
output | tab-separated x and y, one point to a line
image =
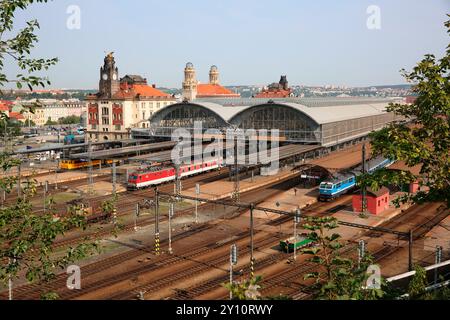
69	164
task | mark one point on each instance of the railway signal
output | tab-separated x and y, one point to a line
156	221
10	297
296	220
438	259
233	262
361	251
171	213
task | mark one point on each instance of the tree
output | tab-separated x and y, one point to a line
337	277
50	122
27	238
70	120
247	289
425	139
18	47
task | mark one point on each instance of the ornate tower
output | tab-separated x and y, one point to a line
284	83
109	77
214	75
189	83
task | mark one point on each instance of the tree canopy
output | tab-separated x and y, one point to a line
424	138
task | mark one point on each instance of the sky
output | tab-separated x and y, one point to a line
253	42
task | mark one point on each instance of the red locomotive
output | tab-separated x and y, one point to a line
157	175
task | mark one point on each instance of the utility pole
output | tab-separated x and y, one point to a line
56	174
236	191
296	220
363	189
157	221
177	180
252	259
136	215
114	178
19	174
197	192
45	194
410	247
90	180
233	261
171	212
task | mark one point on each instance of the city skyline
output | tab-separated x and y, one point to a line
219	33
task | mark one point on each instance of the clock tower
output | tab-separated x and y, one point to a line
109	77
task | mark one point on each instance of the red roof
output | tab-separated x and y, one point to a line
16	115
141	90
4	106
211	90
274	94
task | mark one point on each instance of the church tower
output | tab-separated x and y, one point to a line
109	77
189	83
214	75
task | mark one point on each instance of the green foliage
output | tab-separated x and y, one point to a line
417	285
247	289
27	238
337	277
70	120
18	47
50	122
12	128
426	142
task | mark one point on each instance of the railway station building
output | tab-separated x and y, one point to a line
325	122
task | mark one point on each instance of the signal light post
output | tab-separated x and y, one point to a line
296	220
361	252
157	221
233	261
438	259
252	259
171	212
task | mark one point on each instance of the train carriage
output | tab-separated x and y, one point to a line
151	176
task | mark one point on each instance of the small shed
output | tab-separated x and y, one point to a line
413	187
377	201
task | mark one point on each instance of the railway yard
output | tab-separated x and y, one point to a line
130	267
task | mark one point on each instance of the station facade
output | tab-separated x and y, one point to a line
332	122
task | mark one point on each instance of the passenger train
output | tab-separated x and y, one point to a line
344	182
156	175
